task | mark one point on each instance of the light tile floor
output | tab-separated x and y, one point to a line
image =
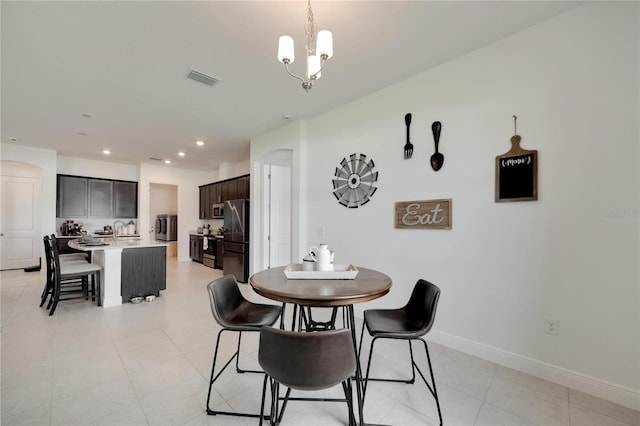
149	364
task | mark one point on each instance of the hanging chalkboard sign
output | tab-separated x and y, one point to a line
517	173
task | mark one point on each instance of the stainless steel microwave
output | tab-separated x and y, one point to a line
217	210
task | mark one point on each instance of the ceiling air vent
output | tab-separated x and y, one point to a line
202	78
155	159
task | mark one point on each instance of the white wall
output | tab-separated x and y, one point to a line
505	267
94	168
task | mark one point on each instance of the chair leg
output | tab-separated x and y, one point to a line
215	377
284	404
238	369
262	401
45	293
348	393
367	378
433	390
55	296
98	288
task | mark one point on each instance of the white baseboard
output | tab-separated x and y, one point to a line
581	382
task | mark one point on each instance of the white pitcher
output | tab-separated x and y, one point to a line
323	257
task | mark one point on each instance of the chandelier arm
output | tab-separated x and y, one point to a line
323	60
286	65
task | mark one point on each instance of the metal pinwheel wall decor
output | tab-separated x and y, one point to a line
354	179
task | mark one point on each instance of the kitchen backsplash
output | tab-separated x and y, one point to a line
93	224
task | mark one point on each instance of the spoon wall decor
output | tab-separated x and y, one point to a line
437	159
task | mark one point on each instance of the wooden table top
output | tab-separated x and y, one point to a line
367	285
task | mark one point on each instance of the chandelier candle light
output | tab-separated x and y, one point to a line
317	53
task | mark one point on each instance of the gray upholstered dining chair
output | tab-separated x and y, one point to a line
234	313
64	272
409	323
307	361
74	285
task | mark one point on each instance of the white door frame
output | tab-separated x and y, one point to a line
261	200
20	216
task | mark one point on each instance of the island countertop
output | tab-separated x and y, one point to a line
117	244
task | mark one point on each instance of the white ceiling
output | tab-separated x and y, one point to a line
125	65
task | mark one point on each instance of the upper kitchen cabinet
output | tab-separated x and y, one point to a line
100	198
232	190
125	199
214	194
96	198
243	187
219	192
205	202
72	196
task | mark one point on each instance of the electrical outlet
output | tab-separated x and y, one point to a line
552	326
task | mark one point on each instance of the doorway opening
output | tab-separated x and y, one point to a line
163	200
276	238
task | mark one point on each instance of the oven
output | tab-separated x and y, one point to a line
209	252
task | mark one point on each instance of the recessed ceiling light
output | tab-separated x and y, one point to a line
199	143
106	152
167	161
181	154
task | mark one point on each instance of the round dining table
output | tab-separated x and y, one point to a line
367	285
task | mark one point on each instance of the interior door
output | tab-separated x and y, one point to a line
280	216
20	238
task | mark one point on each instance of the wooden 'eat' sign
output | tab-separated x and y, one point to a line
425	214
517	173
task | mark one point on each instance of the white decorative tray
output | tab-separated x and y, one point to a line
340	272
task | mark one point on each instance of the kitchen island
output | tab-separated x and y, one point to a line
130	267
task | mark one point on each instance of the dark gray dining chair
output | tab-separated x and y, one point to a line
65	272
234	313
305	361
409	323
73	285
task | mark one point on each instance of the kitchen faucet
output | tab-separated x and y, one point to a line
115	228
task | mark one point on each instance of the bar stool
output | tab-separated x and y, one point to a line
64	272
71	285
410	322
234	313
308	361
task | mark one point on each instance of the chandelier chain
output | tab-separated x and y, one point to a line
310	30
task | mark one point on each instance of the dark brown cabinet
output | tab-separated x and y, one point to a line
144	272
219	192
232	190
79	196
219	253
205	205
125	199
195	248
100	198
72	196
243	188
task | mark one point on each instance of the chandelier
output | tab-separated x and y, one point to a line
317	51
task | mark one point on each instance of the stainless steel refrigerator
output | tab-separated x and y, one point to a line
236	239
